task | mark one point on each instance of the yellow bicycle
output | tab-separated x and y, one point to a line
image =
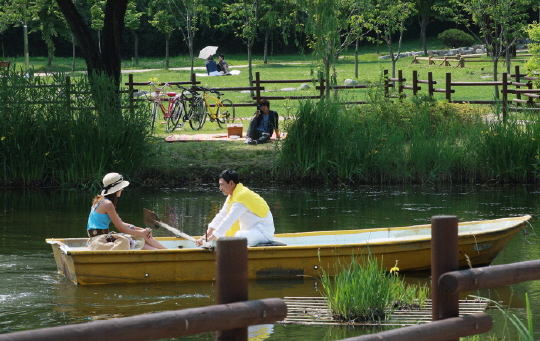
221	111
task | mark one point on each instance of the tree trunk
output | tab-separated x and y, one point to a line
250	43
266	39
423	21
136	47
107	61
73	51
495	78
167	41
356	58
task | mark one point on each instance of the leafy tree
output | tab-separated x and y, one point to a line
390	19
164	21
533	64
358	23
501	22
323	28
133	20
96	10
425	12
243	16
188	15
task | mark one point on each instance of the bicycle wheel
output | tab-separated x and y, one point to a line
225	112
155	111
174	120
198	115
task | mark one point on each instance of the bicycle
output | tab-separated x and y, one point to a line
221	111
174	110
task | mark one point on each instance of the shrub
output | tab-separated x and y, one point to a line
67	133
456	38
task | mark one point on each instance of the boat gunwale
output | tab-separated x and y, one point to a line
376	242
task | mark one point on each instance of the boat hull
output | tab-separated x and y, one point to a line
410	246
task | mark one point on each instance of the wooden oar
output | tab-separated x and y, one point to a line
152	220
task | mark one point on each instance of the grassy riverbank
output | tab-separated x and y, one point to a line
382	142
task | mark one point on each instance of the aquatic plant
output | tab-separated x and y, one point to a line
364	291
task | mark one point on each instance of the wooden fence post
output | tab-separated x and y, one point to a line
193	80
504	91
258	86
130	92
518	79
430	84
444	258
415	82
386	83
449	87
231	280
400	84
68	95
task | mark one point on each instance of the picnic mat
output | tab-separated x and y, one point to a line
200	137
206	137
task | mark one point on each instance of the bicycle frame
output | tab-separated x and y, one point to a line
159	99
212	110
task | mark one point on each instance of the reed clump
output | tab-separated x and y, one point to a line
66	134
365	291
417	140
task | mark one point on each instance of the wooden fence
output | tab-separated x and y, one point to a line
460	60
517	84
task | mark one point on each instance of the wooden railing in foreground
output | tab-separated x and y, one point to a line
229	319
448	282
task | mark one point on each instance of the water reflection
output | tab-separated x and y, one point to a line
32	295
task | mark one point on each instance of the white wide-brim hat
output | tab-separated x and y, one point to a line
113	182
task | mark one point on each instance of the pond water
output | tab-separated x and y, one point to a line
33	295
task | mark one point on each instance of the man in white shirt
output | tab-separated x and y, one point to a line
245	214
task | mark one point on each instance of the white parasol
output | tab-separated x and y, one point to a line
207	51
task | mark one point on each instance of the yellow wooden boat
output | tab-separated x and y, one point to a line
303	255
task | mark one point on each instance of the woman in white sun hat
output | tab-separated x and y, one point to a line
103	212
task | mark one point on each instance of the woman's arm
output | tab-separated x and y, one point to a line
121	226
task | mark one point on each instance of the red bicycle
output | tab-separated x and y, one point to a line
172	111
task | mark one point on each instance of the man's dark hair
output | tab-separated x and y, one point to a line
264	101
222	56
229	175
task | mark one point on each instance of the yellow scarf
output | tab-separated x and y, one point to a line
254	202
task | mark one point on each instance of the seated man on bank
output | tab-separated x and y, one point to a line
222	65
263	124
245	214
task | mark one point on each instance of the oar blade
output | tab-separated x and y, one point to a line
151	219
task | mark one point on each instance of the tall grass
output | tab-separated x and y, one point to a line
364	291
418	140
525	332
55	135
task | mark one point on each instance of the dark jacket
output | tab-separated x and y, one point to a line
273	121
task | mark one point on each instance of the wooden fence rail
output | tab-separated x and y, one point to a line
162	325
230	318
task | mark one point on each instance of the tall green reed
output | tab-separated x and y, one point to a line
364	291
59	134
416	140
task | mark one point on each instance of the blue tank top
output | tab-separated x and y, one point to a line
98	220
